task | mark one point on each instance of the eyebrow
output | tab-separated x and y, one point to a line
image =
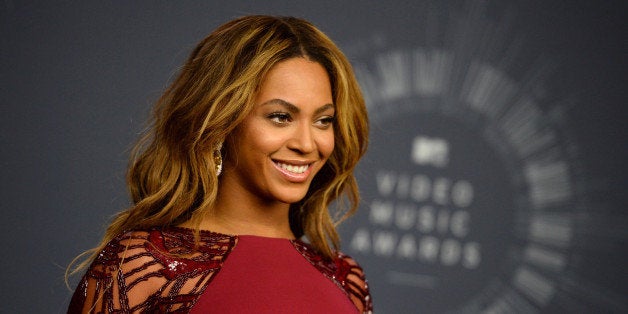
294	109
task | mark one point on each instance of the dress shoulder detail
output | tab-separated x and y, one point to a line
151	271
352	279
344	271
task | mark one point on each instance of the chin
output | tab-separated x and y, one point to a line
291	199
291	196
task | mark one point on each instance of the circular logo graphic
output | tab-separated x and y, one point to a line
467	187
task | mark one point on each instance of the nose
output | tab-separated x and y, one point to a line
303	139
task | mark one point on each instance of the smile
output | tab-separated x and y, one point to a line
297	172
296	169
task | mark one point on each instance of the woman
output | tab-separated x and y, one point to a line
249	146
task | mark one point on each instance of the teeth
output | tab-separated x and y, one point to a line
292	168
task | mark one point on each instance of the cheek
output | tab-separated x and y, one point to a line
326	146
263	141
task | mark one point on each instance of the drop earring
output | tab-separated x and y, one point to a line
218	159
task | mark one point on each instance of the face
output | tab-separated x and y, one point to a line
287	138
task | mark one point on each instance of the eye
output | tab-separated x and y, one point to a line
325	122
280	117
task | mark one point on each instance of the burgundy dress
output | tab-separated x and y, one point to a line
161	271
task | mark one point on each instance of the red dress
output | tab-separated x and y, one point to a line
161	271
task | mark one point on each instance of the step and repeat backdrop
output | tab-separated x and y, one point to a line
495	177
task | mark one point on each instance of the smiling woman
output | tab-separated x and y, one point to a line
276	152
248	148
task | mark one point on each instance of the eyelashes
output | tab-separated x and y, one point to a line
284	118
326	121
280	118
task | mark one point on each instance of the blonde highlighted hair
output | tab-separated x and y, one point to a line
172	175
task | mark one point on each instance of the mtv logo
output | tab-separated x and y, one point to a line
430	151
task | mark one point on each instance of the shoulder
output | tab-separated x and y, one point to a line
122	253
118	279
344	271
176	250
351	277
136	270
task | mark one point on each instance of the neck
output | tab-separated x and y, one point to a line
238	215
250	219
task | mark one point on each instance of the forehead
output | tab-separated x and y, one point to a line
296	80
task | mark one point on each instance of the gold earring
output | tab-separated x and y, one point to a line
218	159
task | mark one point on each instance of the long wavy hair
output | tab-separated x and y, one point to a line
172	173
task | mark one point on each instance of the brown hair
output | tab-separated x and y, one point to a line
172	176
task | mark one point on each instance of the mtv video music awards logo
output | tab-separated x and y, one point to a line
422	218
468	187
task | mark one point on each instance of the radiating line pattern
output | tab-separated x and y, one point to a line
473	72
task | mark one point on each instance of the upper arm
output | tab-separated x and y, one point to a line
123	277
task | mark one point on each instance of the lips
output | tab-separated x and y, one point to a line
296	169
293	172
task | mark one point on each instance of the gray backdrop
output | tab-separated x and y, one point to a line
495	179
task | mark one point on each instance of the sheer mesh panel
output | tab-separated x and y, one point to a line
344	272
162	271
151	271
